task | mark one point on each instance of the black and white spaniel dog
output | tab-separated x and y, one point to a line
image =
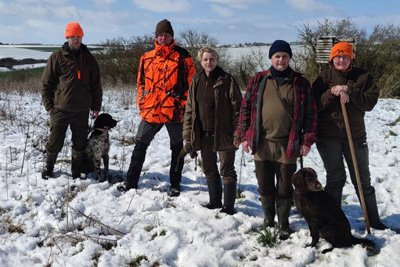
98	145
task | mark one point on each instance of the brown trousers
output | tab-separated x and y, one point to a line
266	172
226	162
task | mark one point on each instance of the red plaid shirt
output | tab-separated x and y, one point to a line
305	114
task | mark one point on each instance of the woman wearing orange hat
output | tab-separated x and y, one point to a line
355	87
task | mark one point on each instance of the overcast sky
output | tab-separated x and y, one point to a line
229	21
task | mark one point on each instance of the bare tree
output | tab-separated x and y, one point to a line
309	35
194	40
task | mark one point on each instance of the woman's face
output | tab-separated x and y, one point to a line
208	62
341	63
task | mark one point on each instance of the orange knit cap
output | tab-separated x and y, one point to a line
342	49
73	29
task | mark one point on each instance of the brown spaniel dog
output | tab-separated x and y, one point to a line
323	215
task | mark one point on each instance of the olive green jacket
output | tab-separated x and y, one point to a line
228	98
72	83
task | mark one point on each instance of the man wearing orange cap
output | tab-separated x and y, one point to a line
355	87
71	88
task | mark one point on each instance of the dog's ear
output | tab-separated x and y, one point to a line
296	177
109	121
113	123
313	171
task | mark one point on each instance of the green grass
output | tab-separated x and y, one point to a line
44	48
395	122
17	74
268	236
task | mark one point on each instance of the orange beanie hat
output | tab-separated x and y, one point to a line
73	29
342	49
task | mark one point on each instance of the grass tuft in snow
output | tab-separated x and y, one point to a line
268	236
137	261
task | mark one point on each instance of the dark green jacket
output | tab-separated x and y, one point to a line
227	106
363	93
62	89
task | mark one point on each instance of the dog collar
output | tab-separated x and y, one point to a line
101	129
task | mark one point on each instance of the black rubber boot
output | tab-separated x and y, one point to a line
175	171
372	211
229	199
283	206
50	161
80	164
215	193
135	167
268	205
75	165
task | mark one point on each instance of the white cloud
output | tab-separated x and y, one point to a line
239	4
24	11
310	6
46	23
222	11
104	3
163	6
53	2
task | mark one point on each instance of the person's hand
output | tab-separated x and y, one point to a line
95	114
304	150
344	97
49	111
185	141
236	144
245	147
337	89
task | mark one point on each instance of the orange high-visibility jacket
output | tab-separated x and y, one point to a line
163	82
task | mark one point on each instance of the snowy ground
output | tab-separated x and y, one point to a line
65	222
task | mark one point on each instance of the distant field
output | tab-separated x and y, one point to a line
43	48
24	52
18	74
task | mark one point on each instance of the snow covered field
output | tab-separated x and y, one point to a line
19	52
65	222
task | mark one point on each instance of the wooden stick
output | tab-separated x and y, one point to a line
354	158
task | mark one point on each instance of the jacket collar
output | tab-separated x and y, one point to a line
163	51
82	50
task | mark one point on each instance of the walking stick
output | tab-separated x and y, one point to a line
353	156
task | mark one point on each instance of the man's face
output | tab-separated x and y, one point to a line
164	39
280	61
74	42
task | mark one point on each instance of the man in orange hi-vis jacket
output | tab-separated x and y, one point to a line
163	81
